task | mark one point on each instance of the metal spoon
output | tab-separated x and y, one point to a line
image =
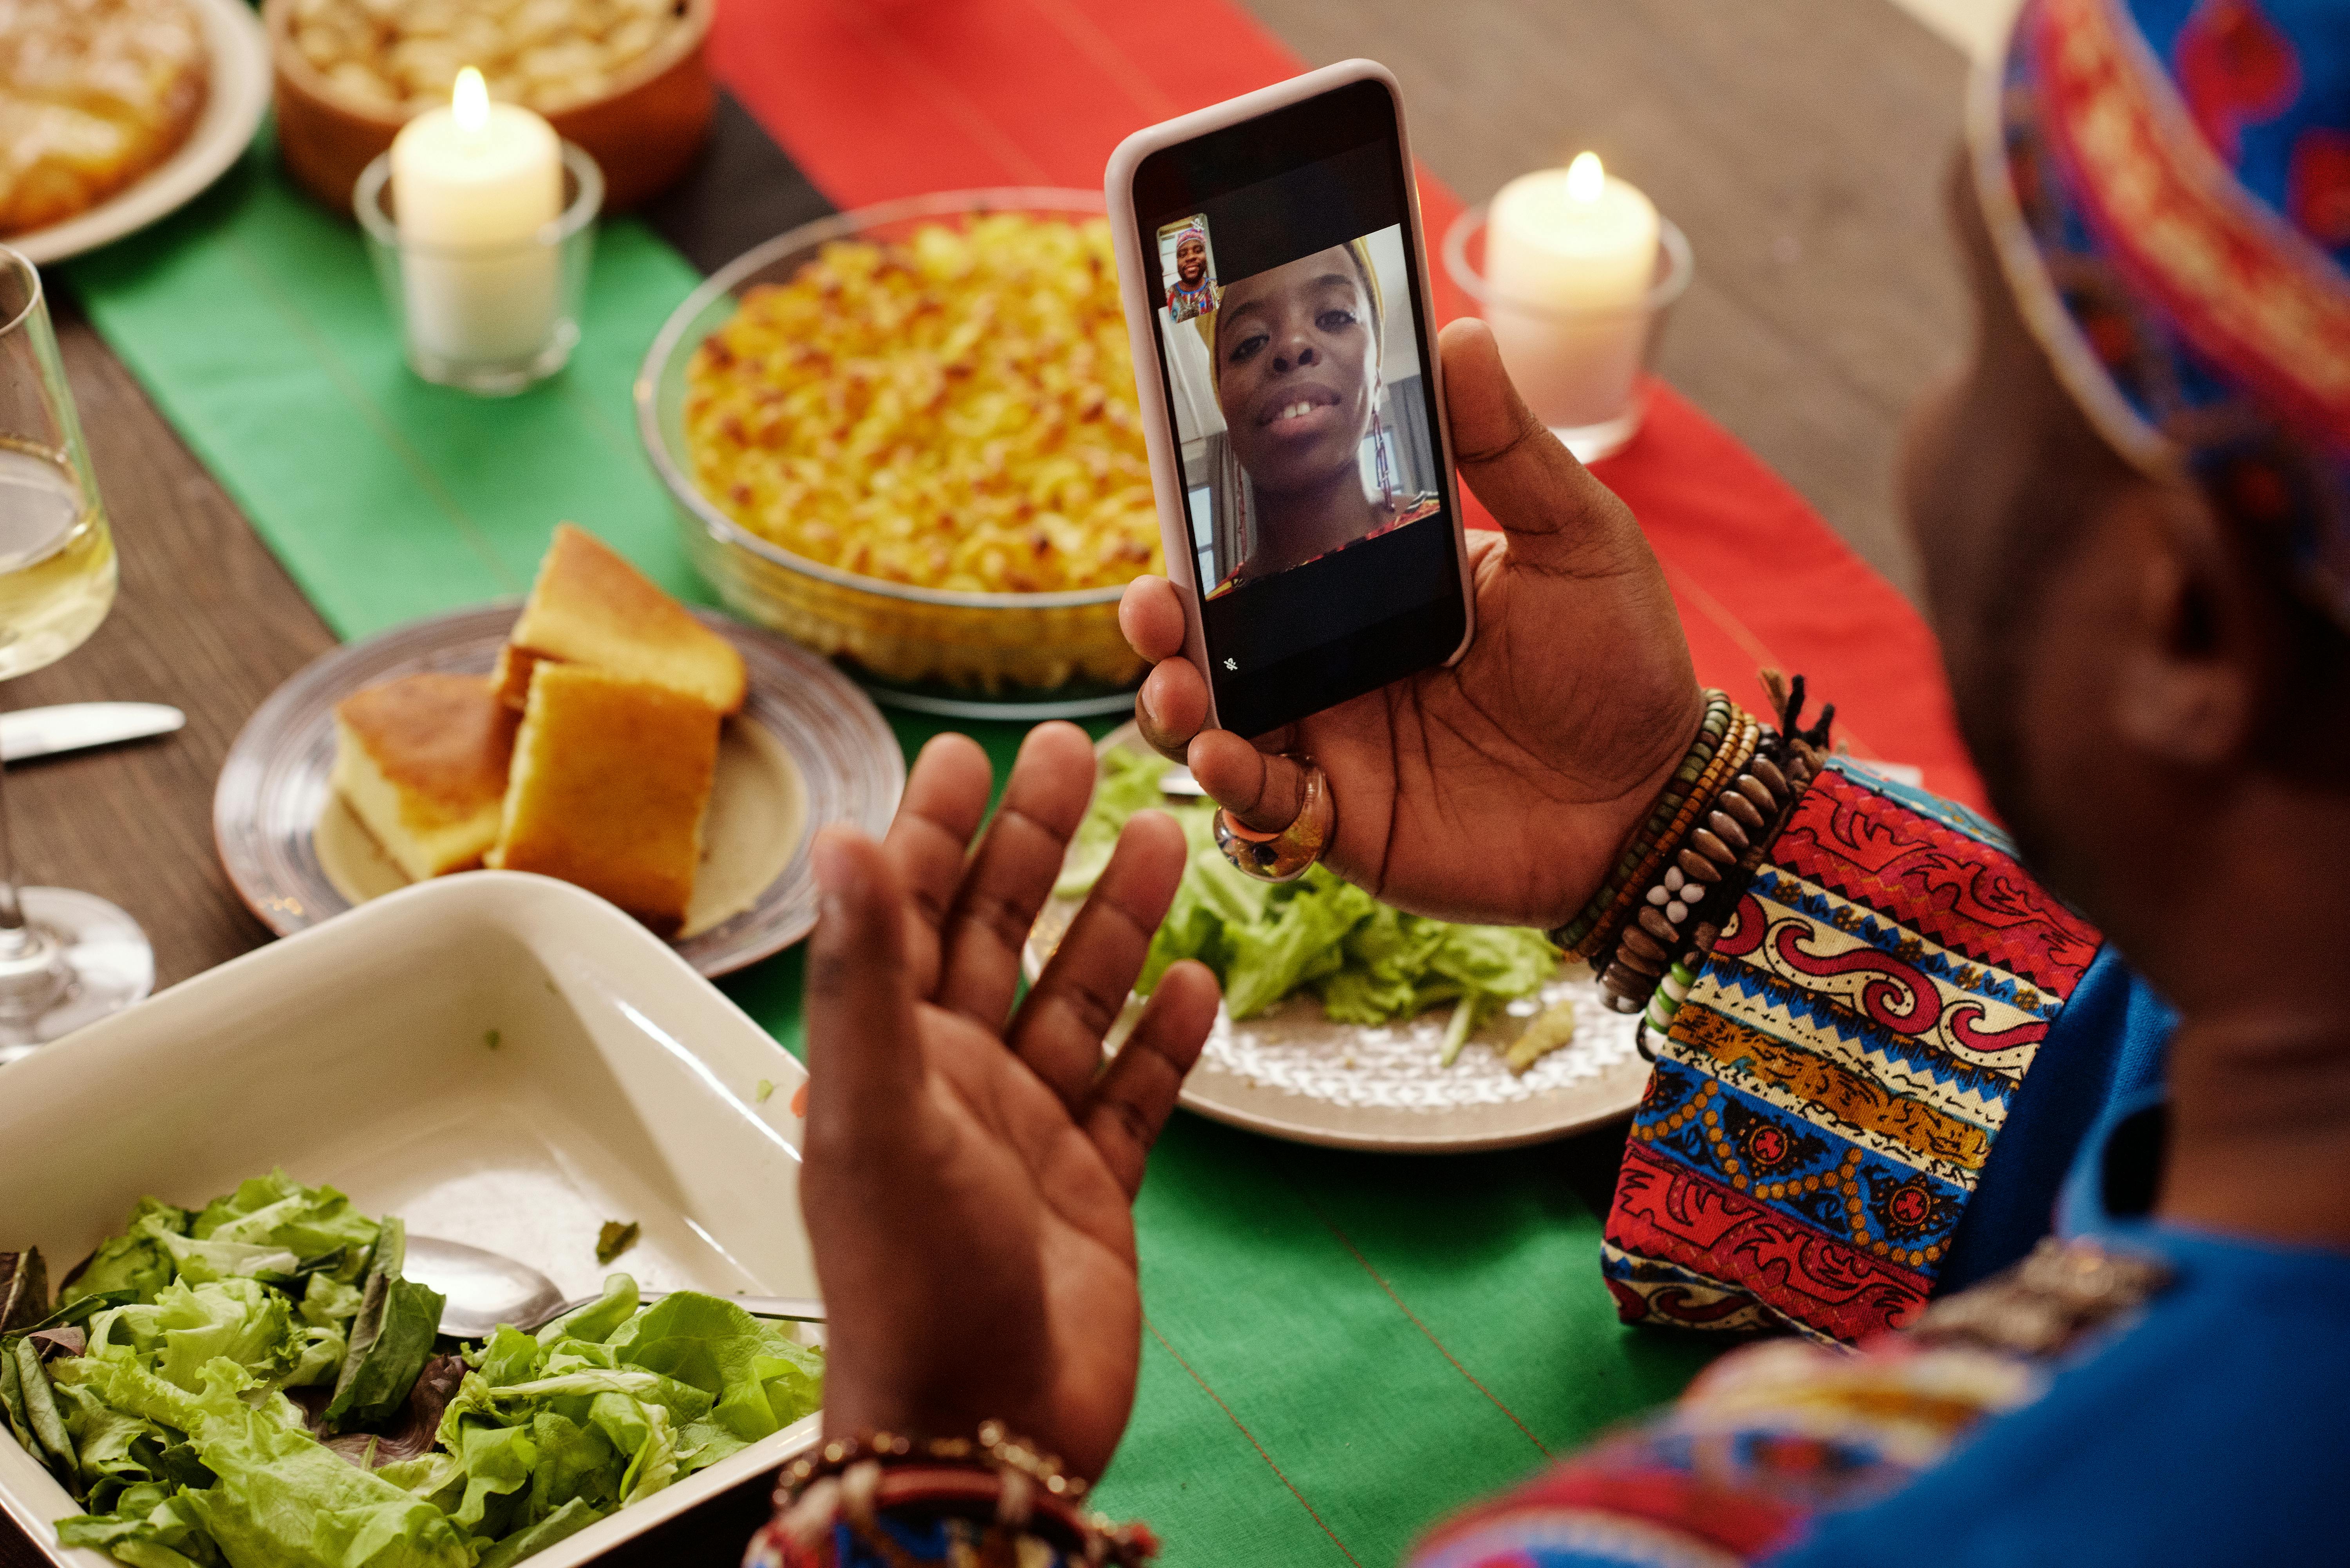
485	1289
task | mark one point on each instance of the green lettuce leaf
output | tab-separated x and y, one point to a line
568	1521
1304	942
52	1443
114	1448
12	1401
1498	960
135	1261
148	1526
1366	964
282	1499
759	1379
576	1463
607	1433
277	1210
201	1262
599	1319
389	1340
1129	783
187	1326
174	1426
498	1462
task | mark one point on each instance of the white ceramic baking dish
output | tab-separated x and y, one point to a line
499	1059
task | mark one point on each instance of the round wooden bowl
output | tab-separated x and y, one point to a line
642	134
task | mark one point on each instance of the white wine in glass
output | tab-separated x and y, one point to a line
65	958
57	561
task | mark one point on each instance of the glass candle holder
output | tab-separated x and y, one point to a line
1580	370
491	319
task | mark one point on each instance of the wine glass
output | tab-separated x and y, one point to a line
65	958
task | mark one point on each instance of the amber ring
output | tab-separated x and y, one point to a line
1283	855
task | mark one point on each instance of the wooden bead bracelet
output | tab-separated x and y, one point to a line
1581	933
1729	828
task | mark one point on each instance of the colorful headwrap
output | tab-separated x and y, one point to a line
2168	185
1361	250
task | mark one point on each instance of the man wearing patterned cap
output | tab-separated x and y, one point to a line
1884	1052
1193	291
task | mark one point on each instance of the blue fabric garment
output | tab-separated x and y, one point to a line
2102	1055
2209	1431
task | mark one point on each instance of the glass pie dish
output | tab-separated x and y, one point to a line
963	654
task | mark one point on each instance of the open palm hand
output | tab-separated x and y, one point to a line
971	1168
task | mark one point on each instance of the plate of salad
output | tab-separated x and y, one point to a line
255	1382
1347	1022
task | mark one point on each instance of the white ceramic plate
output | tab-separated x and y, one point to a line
619	1086
807	749
238	98
1293	1074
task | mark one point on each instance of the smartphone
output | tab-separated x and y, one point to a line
1276	286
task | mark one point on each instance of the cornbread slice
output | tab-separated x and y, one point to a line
421	762
610	780
590	607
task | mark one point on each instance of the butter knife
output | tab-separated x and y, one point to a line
31	733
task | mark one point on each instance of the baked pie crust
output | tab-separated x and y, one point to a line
93	94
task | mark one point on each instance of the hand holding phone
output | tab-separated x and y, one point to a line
1494	787
1500	788
1276	287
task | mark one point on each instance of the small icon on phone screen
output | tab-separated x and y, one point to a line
1231	664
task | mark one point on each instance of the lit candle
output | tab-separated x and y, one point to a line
1570	257
472	187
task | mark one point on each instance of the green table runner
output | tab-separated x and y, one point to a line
1340	1346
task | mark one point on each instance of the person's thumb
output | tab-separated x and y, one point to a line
1557	517
863	1054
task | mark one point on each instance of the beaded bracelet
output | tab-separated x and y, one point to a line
999	1490
1698	892
1730	829
1718	714
1734	755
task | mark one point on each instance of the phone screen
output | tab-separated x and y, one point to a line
1282	258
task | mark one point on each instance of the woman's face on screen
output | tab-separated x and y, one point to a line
1298	370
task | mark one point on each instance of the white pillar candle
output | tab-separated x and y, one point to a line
1570	257
472	187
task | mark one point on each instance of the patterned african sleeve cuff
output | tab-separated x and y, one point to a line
1772	1437
1828	1090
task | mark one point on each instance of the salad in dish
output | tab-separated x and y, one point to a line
1364	962
253	1384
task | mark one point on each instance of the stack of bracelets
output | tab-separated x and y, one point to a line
949	1500
1653	920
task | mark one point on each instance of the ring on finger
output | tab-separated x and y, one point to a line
1283	855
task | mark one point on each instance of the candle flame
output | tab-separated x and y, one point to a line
470	101
1584	179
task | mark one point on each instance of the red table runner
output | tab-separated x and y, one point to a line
876	99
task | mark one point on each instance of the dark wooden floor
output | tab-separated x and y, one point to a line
1801	144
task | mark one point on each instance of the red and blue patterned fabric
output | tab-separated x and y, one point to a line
2168	184
1831	1089
2198	1427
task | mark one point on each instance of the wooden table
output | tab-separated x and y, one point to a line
1800	144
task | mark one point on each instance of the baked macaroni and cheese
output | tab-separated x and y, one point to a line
956	410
